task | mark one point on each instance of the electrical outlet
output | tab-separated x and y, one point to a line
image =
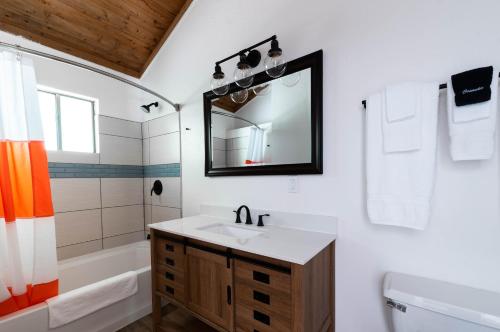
293	184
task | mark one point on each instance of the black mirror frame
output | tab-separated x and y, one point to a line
314	61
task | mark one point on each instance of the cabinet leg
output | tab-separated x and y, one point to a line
156	312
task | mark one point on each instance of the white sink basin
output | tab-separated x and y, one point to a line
228	230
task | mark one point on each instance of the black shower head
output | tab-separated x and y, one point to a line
147	108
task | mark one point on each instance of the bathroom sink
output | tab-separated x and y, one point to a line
228	230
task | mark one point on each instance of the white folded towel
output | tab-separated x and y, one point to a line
402	125
400	184
472	127
75	304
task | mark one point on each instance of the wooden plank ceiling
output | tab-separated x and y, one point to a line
123	35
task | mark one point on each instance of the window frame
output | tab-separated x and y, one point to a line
57	95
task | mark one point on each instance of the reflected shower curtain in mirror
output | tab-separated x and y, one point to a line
255	153
28	261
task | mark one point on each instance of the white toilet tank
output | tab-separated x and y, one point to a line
425	305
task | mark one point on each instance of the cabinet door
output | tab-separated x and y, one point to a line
209	287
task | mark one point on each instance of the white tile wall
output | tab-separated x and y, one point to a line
76	227
121	192
119	127
147	190
72	157
147	214
164	125
162	213
120	150
122	240
164	149
145	129
121	220
171	195
145	151
78	249
75	194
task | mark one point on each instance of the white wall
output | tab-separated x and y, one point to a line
367	44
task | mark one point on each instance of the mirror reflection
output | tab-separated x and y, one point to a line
267	124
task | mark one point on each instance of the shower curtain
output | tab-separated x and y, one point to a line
255	152
28	262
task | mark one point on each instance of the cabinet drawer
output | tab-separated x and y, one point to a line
171	283
266	279
261	299
252	319
170	253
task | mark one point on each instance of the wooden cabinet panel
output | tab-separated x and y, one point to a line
209	287
273	281
251	319
170	283
170	254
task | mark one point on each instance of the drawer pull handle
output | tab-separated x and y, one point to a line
261	277
261	297
169	261
169	247
263	318
169	290
169	276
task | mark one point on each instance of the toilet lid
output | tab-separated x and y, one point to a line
463	302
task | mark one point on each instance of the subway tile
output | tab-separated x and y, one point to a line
145	129
147	214
164	149
72	157
118	127
120	150
162	213
121	220
164	125
124	239
121	192
171	195
147	190
75	194
78	249
145	151
162	170
79	226
73	170
218	143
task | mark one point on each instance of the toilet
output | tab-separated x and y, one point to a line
425	305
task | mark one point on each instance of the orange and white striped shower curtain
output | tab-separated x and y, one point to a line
28	262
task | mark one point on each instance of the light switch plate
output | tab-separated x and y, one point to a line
293	184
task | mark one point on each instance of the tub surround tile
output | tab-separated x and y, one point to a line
79	249
164	149
145	151
171	195
118	127
75	194
121	192
145	129
163	170
120	150
164	125
74	170
147	214
122	220
77	227
148	185
72	157
124	239
163	213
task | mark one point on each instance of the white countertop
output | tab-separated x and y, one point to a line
283	243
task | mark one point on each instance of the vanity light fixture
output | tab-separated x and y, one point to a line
274	64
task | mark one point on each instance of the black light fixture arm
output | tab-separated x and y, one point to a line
274	37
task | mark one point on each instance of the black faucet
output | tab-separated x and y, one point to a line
238	212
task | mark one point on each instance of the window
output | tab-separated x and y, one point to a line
68	122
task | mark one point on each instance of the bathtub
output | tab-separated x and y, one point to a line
84	270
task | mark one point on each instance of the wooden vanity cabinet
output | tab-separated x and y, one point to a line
232	290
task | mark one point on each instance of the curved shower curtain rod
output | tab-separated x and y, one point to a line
236	117
22	49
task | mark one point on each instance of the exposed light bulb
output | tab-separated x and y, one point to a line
243	74
239	97
275	63
219	83
262	89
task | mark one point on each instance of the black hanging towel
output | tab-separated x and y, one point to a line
473	86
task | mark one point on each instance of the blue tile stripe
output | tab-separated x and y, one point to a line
75	170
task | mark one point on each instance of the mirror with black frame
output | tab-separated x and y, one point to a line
273	127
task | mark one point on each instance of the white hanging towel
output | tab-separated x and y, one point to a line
402	125
75	304
400	184
472	127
